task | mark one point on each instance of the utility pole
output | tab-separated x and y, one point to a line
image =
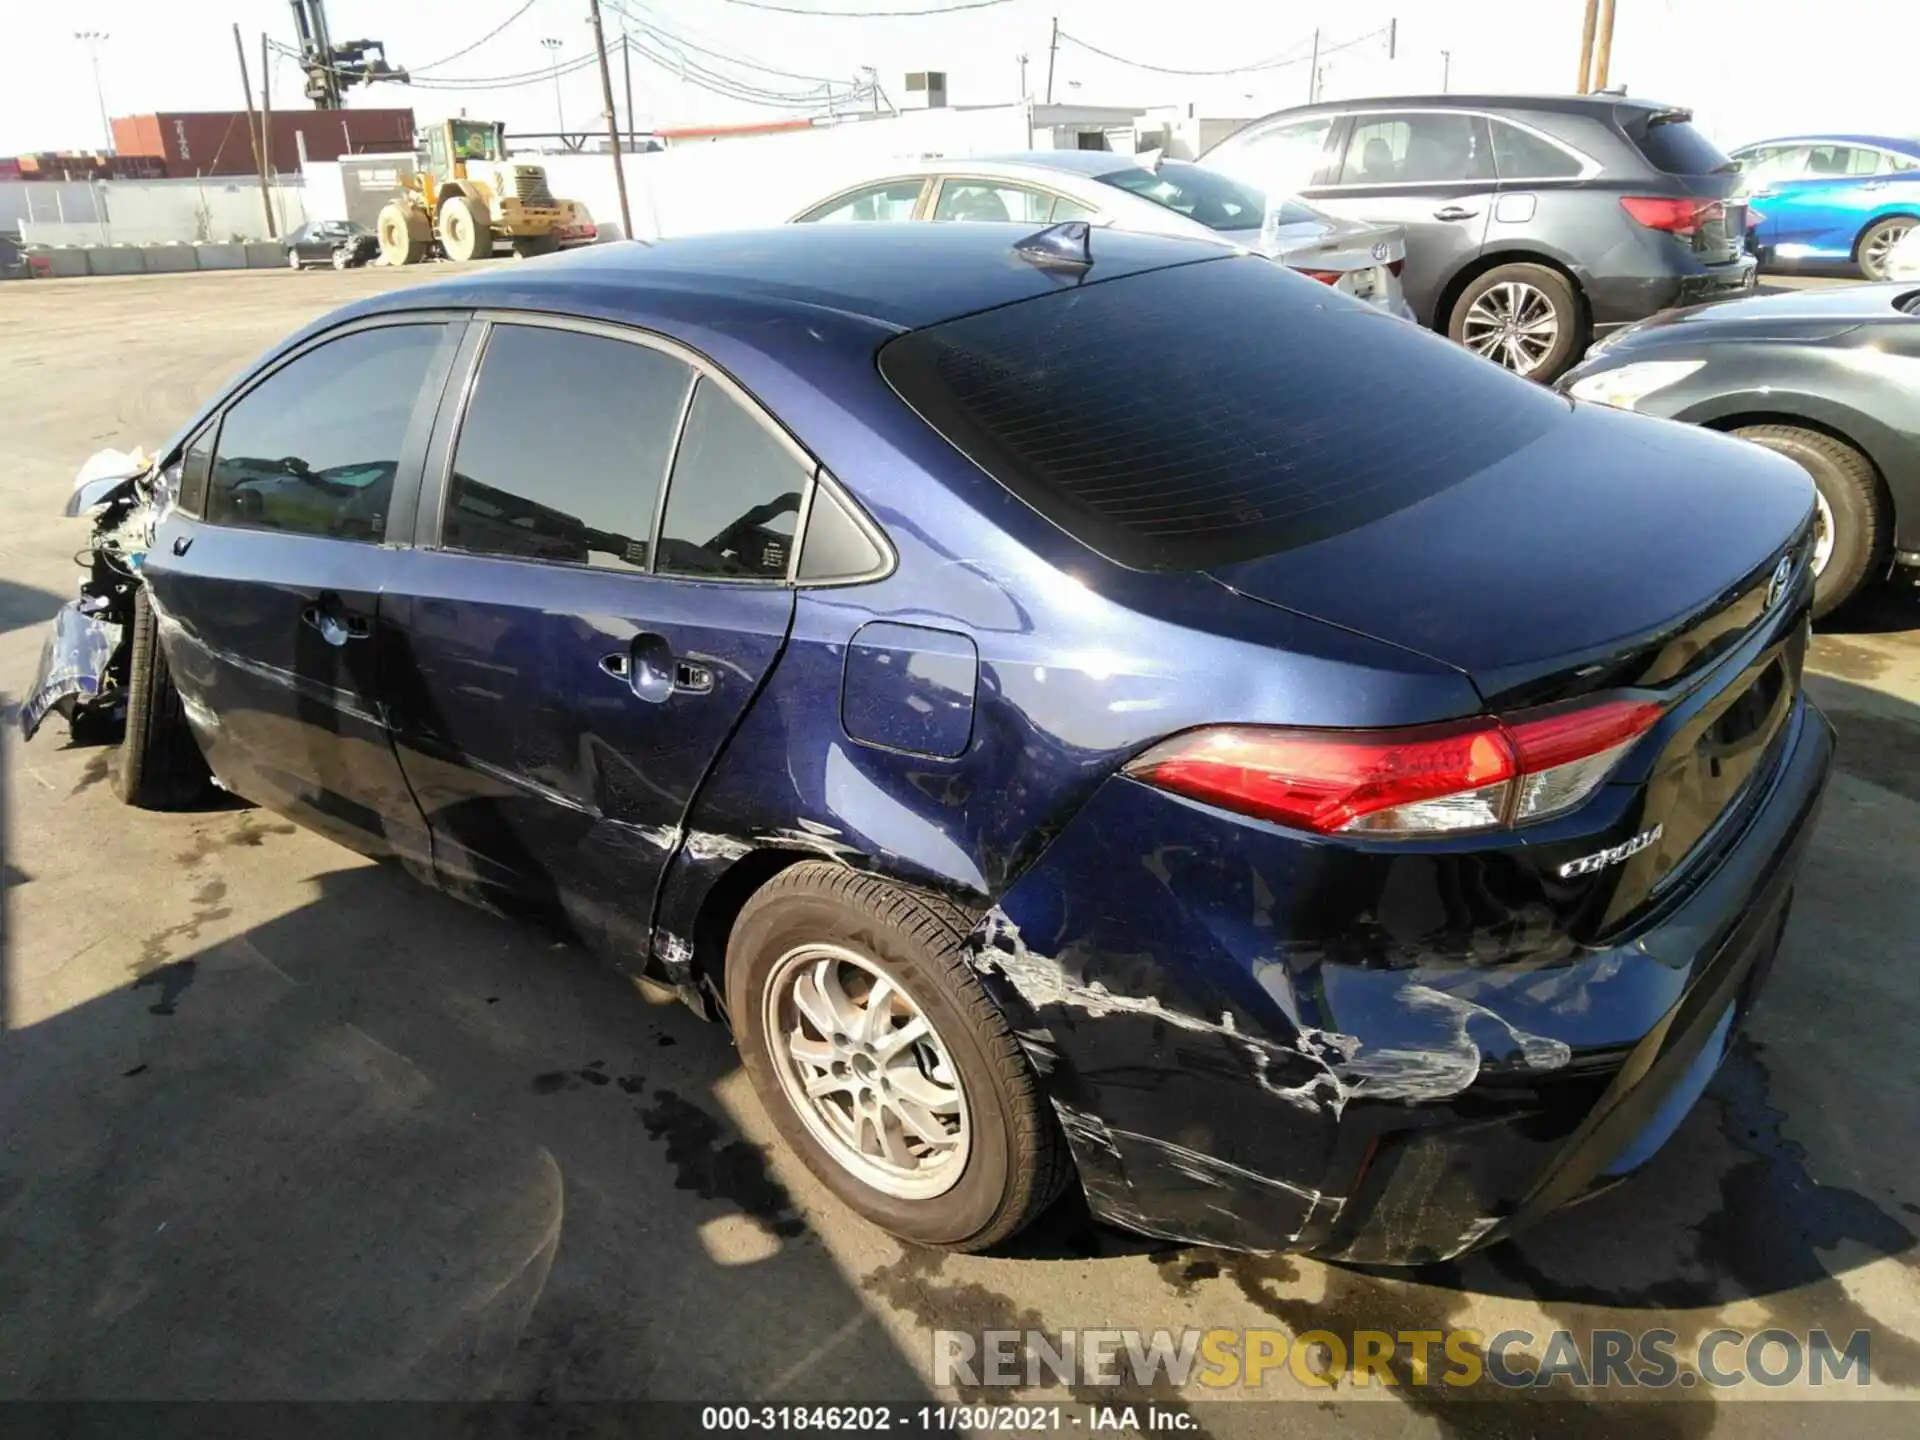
1022	58
1053	49
613	120
93	40
1446	69
266	126
1313	71
1586	47
1603	46
253	134
1393	38
626	75
552	47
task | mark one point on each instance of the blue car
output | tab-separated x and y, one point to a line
1832	199
1041	691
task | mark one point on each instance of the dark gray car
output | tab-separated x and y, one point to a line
1533	223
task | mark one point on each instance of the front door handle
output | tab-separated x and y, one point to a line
335	629
1454	212
1874	185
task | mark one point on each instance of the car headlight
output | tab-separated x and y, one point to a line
1627	386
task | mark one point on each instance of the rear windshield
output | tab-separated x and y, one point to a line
1199	194
1677	148
1212	412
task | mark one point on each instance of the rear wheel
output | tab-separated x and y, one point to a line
341	258
159	766
1524	317
527	246
884	1063
1877	242
465	233
1852	528
397	243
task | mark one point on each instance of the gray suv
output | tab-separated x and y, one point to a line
1533	223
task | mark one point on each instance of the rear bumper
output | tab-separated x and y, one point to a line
1618	300
1528	1087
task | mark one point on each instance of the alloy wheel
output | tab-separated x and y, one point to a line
1822	532
1512	324
866	1072
1879	248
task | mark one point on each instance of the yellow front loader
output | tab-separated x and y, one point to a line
471	200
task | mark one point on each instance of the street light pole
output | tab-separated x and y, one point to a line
552	47
1446	69
93	40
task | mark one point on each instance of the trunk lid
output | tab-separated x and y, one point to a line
1565	566
1693	166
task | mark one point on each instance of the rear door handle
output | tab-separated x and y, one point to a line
335	629
653	673
1874	185
1454	212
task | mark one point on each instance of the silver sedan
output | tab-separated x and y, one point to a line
1132	192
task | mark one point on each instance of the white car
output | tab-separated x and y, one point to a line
1132	192
1903	261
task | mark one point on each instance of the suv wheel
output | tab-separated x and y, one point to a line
1847	542
883	1062
1524	317
1876	244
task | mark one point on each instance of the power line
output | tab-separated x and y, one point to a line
469	49
675	39
1272	63
871	14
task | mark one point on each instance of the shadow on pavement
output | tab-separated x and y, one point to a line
385	1146
24	605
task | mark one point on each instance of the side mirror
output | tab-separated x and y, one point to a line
89	493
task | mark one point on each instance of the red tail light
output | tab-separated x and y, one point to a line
1325	277
1394	267
1468	775
1679	216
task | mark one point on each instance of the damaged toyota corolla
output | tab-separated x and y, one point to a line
1016	683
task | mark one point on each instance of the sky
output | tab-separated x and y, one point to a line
1748	68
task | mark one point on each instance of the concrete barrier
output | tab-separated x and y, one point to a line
64	261
170	259
222	257
265	255
116	260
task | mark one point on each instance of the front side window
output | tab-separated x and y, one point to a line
1522	155
893	201
1279	161
734	498
987	200
313	448
1899	164
1416	149
563	448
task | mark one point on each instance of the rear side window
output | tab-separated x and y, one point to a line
1211	412
314	447
1521	155
735	494
563	448
1675	147
1417	148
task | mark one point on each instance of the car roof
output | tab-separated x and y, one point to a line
1905	145
1570	104
1078	162
898	276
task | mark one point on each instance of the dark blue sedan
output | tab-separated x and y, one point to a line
1104	712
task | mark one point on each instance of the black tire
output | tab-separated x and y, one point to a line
1878	238
293	259
159	766
1849	484
1569	336
528	246
1018	1162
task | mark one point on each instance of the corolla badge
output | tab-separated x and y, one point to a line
1612	855
1777	585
